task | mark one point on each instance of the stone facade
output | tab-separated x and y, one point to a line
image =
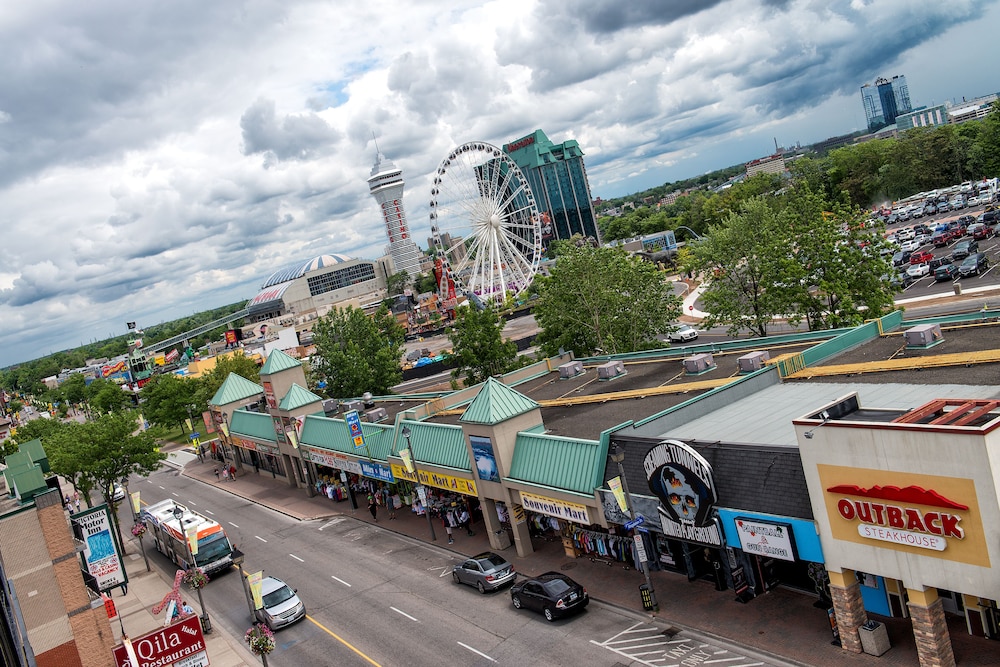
930	629
849	610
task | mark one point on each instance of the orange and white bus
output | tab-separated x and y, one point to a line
213	551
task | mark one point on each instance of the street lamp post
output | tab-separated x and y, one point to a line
238	558
206	623
618	455
427	510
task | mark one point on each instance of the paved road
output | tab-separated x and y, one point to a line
377	597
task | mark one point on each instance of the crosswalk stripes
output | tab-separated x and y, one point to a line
650	645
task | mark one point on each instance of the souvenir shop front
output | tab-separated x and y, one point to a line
259	456
336	474
432	489
554	517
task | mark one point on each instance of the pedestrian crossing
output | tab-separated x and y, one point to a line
655	646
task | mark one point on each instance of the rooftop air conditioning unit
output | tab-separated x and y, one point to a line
570	369
923	335
699	363
347	406
376	415
610	370
753	361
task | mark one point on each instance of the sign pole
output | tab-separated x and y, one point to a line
618	455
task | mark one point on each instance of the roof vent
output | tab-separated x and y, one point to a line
699	363
347	406
376	415
753	361
923	336
610	370
570	370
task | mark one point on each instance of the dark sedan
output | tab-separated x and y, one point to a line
487	572
945	272
553	593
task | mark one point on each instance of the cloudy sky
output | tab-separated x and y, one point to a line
159	159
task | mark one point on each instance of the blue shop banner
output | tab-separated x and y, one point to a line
377	471
797	536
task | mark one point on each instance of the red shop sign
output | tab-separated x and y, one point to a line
181	641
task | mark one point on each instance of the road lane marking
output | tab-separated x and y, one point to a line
162	487
342	640
232	524
210	512
174	494
296	558
340	580
332	522
261	539
192	504
403	613
466	646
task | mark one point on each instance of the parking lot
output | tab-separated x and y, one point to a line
927	285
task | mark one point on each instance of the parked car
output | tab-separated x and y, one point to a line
979	230
964	248
921	257
973	265
918	270
553	593
957	204
930	208
486	571
901	257
683	334
988	217
922	239
909	246
900	280
941	239
118	494
945	272
281	604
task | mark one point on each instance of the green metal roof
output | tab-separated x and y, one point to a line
279	361
297	397
236	388
37	453
437	444
257	425
496	403
559	463
333	434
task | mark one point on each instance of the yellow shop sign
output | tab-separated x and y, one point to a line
457	484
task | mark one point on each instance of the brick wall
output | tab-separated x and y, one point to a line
930	630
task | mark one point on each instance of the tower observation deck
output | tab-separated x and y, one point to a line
386	185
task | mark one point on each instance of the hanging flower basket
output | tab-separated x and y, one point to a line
260	639
195	578
139	529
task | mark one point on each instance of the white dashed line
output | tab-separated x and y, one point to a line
340	580
466	646
296	558
403	613
162	487
174	494
210	512
232	524
260	538
192	504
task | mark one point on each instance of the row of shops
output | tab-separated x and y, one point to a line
744	518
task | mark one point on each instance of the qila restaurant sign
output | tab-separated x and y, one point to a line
923	515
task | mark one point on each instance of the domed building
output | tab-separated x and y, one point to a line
298	294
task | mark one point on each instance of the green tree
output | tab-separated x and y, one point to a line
426	283
478	346
357	353
168	400
397	282
74	388
750	266
96	455
601	299
106	396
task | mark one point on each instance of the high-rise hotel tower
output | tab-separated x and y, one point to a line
386	185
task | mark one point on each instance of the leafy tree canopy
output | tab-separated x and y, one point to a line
478	345
603	300
356	353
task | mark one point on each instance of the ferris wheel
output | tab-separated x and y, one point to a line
485	224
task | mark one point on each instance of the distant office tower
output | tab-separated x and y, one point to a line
885	101
386	185
558	180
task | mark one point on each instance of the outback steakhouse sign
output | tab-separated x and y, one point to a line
921	514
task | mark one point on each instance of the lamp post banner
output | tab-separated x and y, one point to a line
180	644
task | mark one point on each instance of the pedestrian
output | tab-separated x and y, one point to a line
446	519
186	609
232	473
464	519
216	471
373	507
394	504
69	505
225	474
76	501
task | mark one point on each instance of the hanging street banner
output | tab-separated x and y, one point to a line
615	484
354	428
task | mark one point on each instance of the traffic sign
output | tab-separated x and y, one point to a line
638	521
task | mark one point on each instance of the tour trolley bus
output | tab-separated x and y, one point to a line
214	551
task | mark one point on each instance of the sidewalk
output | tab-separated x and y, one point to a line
784	626
147	589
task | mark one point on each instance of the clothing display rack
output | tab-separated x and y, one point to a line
602	547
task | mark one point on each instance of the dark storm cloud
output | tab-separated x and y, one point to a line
609	16
300	137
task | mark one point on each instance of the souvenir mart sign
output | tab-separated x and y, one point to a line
557	508
464	486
